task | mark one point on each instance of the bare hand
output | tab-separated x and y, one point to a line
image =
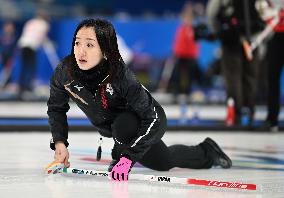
61	154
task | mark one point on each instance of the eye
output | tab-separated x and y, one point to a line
77	43
90	45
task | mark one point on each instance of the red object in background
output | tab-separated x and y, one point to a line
230	119
185	45
280	26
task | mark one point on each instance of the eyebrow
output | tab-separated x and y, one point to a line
86	39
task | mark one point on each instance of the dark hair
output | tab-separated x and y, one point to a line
107	40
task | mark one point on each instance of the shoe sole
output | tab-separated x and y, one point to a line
224	161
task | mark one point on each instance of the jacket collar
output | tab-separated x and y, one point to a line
77	90
77	87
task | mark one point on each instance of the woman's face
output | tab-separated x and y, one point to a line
86	49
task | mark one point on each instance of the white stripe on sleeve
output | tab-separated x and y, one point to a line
148	130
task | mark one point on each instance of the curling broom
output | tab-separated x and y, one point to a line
56	168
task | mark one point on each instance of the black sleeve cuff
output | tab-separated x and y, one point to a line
128	157
53	141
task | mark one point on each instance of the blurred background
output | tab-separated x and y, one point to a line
151	43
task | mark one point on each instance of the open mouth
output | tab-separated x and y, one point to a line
82	61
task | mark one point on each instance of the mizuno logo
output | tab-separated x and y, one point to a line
74	94
79	88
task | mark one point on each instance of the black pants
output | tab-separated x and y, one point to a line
185	71
275	64
240	78
160	156
28	68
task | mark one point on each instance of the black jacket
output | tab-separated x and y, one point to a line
101	107
228	20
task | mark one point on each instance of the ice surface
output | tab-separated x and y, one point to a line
257	158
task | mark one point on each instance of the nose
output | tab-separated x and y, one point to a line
82	51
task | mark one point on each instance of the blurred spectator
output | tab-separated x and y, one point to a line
275	61
185	51
8	42
200	22
33	37
232	21
199	14
125	51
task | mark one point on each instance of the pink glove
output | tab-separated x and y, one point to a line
121	169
